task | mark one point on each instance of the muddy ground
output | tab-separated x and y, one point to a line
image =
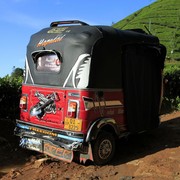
151	156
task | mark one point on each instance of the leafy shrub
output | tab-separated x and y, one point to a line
10	90
171	98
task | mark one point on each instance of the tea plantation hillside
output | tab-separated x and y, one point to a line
162	18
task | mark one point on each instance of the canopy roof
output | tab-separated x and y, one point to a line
93	48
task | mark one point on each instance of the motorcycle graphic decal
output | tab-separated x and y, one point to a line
45	105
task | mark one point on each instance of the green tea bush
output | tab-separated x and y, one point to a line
171	98
10	90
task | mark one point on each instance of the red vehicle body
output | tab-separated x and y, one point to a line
85	86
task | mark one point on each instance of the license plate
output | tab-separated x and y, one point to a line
73	124
31	143
58	152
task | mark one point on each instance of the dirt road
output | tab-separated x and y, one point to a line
151	156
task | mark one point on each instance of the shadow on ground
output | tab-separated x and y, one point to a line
141	145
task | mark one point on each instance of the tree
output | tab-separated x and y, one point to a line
17	72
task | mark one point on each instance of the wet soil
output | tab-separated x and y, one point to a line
153	155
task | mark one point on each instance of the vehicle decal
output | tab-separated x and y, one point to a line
45	105
28	71
59	30
79	74
44	42
38	130
73	94
93	104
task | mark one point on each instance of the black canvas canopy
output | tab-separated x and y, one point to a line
100	46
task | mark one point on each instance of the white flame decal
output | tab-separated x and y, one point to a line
80	71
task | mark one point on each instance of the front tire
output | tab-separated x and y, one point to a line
103	148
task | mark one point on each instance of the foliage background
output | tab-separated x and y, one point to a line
162	19
171	97
10	91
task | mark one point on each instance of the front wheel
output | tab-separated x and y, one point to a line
103	148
